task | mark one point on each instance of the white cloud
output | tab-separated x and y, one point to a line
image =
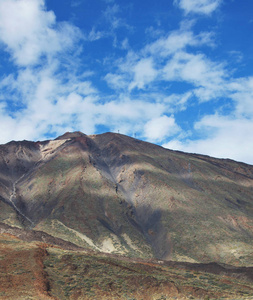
178	40
111	11
157	129
222	136
144	73
95	35
29	31
204	74
242	93
52	104
48	97
125	44
111	15
178	102
146	67
116	81
76	3
198	6
226	137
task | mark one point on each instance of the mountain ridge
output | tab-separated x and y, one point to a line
75	134
113	193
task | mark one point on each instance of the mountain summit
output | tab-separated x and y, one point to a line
116	194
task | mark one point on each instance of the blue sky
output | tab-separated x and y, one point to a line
177	73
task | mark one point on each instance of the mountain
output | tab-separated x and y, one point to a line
115	194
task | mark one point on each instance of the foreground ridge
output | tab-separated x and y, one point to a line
45	271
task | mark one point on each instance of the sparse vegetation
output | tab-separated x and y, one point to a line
62	274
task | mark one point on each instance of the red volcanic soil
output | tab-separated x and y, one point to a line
21	270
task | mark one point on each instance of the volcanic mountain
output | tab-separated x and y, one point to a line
115	194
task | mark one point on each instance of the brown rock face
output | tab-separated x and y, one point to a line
115	194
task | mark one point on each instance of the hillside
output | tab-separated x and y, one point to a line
115	194
40	271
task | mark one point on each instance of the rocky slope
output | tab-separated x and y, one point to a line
112	193
37	270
